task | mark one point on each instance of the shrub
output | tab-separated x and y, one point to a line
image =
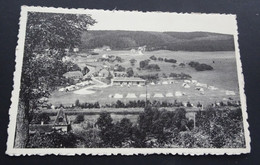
79	118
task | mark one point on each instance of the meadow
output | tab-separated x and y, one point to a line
224	77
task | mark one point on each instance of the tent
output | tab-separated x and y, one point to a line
131	96
143	95
159	95
230	93
164	82
118	96
169	94
178	93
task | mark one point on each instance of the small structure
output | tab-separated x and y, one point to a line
165	82
143	95
178	94
187	81
169	94
75	50
212	88
201	85
158	95
185	85
194	81
118	96
131	96
127	81
232	93
73	75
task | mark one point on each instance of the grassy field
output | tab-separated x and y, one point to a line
224	77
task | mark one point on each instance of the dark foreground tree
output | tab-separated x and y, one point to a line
47	36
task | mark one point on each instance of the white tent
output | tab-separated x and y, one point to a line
131	95
110	96
143	95
187	81
169	94
118	96
194	81
178	93
212	88
186	86
230	93
164	82
152	83
159	95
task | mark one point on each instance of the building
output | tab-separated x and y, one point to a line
61	123
73	75
103	73
127	81
119	74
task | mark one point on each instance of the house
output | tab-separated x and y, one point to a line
127	81
119	74
61	123
103	73
73	75
75	50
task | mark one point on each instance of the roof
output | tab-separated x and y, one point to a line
73	73
128	79
61	114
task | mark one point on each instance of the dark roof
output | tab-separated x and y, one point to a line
61	114
128	79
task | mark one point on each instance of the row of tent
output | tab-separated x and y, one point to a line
76	86
148	95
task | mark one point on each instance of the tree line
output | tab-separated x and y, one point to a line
154	128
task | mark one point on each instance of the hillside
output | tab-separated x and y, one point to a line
184	41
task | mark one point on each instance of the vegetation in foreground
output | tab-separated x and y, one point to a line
213	129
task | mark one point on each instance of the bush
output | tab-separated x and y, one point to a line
170	60
200	67
153	58
79	118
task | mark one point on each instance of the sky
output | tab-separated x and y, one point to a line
159	21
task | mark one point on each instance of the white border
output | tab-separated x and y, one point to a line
110	151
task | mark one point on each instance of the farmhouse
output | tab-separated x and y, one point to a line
73	75
127	81
61	123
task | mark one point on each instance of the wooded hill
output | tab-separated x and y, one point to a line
184	41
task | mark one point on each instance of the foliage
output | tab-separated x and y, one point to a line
40	117
153	58
170	60
180	76
79	118
200	67
129	72
133	61
53	140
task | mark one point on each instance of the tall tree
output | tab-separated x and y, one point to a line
47	36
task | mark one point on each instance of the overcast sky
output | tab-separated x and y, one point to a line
158	21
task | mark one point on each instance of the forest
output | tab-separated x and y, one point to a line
176	41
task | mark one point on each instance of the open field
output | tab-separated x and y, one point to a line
224	77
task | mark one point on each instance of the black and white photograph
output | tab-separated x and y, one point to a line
127	82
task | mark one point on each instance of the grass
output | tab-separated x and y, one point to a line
224	77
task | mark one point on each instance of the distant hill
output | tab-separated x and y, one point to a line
185	41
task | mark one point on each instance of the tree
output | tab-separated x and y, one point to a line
129	72
132	61
79	118
85	70
47	36
42	117
182	65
